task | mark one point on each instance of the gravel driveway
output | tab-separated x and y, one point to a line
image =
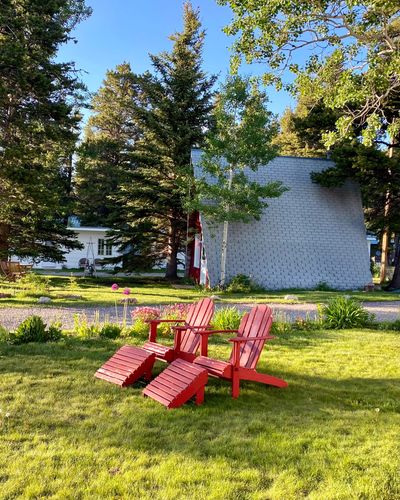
10	317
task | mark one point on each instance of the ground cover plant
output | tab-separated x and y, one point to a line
92	292
333	433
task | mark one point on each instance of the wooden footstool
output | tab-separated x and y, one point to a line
127	365
177	384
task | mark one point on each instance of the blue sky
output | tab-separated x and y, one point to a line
128	30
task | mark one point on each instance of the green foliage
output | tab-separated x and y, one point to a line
243	284
34	284
227	318
73	282
323	286
4	334
33	329
39	96
301	130
150	218
86	329
54	332
110	331
240	139
344	312
105	154
140	328
352	57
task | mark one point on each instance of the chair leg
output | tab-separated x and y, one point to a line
235	384
270	380
200	396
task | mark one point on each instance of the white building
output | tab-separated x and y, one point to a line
307	236
96	246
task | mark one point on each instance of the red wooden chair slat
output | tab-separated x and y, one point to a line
126	366
177	384
255	326
199	315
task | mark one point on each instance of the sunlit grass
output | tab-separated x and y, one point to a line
97	292
332	434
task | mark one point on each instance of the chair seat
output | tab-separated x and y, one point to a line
214	366
161	351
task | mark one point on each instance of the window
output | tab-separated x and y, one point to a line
104	247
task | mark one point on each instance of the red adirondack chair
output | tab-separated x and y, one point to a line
252	334
187	339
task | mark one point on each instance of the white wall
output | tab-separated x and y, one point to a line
85	235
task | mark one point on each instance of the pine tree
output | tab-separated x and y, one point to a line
105	155
301	130
38	126
172	119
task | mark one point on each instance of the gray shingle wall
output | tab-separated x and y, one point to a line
307	236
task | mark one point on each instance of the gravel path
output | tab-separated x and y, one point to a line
10	317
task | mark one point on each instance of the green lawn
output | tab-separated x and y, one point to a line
97	292
334	433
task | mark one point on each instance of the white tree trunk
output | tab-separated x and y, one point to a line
224	246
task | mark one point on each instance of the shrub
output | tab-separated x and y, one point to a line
174	311
227	318
34	284
140	327
33	329
146	313
344	312
110	331
72	282
243	284
54	332
323	286
85	329
4	334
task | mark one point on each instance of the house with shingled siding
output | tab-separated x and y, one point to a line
307	236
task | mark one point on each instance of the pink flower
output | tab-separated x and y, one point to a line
126	291
114	287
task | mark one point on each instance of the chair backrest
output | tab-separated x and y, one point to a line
256	323
199	314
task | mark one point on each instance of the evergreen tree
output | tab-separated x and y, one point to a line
38	126
301	130
172	118
105	154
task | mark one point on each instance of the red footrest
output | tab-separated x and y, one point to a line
127	365
179	382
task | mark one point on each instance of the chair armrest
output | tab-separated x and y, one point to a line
155	322
210	332
164	321
189	327
245	339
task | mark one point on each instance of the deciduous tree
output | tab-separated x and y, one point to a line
240	139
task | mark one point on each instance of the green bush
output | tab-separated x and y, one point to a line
83	328
54	332
344	312
33	329
110	331
4	334
323	286
227	318
243	284
34	284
